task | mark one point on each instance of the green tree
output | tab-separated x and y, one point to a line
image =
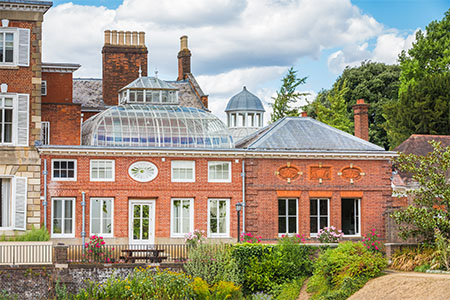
430	54
424	73
376	83
335	114
423	108
431	200
287	96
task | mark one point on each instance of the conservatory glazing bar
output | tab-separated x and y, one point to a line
135	125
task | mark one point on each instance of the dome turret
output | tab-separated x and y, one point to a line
245	114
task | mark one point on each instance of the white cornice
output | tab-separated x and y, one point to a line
25	7
205	153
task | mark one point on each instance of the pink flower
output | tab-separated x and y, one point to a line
103	242
373	244
376	247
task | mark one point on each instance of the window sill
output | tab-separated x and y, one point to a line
63	236
219	237
9	67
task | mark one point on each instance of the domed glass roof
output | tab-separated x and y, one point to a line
244	101
138	125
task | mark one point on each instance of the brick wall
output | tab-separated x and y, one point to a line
24	161
59	87
64	122
121	67
161	189
264	186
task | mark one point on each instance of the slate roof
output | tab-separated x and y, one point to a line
244	101
305	134
419	143
88	92
48	3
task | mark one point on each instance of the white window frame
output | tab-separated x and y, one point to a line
217	162
113	173
16	46
219	235
65	179
45	139
359	217
11	202
44	87
172	217
14	120
63	235
173	165
287	216
107	235
319	215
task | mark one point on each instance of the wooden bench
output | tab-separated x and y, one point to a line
151	255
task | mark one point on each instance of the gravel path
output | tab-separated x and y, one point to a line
406	286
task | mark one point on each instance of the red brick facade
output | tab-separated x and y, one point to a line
264	187
59	87
65	120
161	189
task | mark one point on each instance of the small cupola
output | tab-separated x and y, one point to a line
150	90
245	114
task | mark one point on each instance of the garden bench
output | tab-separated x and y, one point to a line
152	255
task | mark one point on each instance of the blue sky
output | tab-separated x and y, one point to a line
236	42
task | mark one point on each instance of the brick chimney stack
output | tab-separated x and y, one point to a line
184	59
361	115
124	52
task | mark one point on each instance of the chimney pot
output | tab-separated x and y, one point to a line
304	114
134	39
360	101
107	37
184	43
128	38
141	38
121	37
114	37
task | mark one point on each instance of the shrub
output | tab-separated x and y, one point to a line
339	272
441	259
329	235
371	242
219	291
407	259
95	251
212	263
247	237
195	238
264	267
33	235
142	284
291	290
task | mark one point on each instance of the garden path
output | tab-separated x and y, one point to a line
406	286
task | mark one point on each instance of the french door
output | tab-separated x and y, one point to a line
141	222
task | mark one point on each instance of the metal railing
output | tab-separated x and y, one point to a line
115	253
26	253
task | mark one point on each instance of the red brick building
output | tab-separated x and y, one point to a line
137	159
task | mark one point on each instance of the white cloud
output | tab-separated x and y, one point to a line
224	34
387	48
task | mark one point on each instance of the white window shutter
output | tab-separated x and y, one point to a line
24	47
20	203
22	120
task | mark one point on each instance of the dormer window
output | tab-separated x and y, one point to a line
149	90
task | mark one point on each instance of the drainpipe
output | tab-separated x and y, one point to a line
83	221
44	203
243	195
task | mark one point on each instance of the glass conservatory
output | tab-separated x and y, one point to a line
150	90
144	125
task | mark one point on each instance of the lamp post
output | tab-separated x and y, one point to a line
238	209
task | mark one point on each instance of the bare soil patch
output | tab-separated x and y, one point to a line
406	285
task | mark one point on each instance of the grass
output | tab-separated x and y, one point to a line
33	235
